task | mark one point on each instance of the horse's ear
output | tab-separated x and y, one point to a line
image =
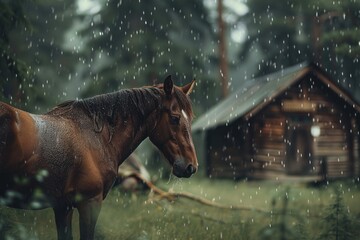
187	89
168	86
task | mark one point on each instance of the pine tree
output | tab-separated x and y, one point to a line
144	42
290	32
338	223
12	69
279	227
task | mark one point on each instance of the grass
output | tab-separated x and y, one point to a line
293	210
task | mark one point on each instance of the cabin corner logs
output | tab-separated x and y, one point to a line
296	123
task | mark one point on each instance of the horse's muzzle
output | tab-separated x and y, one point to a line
183	169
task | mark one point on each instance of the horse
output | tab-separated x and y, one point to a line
68	158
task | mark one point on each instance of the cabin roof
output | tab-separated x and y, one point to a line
256	93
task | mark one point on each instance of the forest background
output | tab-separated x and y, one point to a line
52	51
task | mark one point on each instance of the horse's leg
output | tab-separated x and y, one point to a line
63	217
88	214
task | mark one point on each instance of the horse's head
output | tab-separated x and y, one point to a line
172	134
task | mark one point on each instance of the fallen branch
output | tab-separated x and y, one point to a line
171	196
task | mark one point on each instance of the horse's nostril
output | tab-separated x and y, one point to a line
190	169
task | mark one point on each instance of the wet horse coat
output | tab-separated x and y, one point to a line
69	157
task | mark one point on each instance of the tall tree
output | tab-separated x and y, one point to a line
34	64
137	42
69	52
340	42
276	29
290	32
12	70
41	47
223	66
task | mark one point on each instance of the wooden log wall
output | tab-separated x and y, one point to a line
259	148
355	131
333	115
269	147
332	145
226	152
324	109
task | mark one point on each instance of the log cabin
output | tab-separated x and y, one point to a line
295	123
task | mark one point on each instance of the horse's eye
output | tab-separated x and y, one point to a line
174	119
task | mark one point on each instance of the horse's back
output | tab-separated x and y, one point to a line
58	153
25	155
17	134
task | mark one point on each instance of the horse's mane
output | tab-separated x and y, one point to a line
106	108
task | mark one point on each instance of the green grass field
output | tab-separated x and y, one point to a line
272	210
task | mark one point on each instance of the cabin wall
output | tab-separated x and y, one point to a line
332	145
278	141
269	147
356	149
226	151
283	143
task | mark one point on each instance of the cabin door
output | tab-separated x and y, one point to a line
299	153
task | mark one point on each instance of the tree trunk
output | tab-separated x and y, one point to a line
222	51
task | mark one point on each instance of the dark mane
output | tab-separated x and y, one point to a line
106	108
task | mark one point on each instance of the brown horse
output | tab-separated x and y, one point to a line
69	157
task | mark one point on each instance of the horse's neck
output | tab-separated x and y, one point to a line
130	133
129	139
